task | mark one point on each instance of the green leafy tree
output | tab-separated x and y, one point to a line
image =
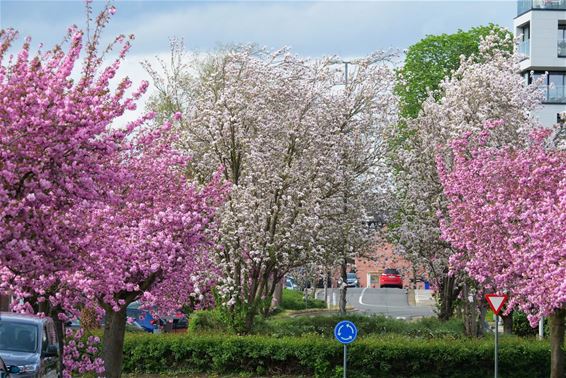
435	57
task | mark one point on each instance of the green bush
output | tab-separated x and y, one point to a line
522	327
367	325
211	321
294	300
384	356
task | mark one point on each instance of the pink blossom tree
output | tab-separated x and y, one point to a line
92	214
149	239
506	217
486	85
55	146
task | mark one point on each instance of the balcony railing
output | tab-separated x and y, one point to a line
526	5
562	47
525	47
554	94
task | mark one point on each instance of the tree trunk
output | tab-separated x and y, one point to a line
557	343
481	323
249	320
60	330
343	289
471	313
447	296
326	290
507	323
4	302
113	343
277	295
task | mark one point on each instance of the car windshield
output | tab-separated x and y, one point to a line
352	276
18	336
391	271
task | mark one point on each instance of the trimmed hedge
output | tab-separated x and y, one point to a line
388	356
211	321
367	325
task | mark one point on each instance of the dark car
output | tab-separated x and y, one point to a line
352	280
7	371
29	343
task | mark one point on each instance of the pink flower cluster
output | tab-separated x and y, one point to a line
507	211
80	354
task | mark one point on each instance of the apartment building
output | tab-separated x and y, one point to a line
541	27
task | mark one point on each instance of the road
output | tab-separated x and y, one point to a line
388	301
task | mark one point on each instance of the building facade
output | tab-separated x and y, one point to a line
541	28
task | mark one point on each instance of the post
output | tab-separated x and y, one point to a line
541	328
346	73
496	341
345	353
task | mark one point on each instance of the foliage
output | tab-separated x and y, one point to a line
383	356
298	152
485	86
81	354
522	327
367	325
295	300
92	214
323	325
513	201
432	59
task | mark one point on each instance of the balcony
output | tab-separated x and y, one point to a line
524	47
526	5
554	94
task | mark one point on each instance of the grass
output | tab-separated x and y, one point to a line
294	300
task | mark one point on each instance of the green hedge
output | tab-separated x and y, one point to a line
295	300
387	356
211	321
367	325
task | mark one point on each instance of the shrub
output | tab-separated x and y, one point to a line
522	327
385	356
295	300
367	325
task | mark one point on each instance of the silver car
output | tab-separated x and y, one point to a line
29	346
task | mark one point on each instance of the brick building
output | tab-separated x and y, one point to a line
369	269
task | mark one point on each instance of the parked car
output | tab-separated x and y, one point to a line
144	320
7	371
391	278
291	284
352	280
28	346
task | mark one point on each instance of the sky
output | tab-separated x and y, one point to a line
346	28
310	28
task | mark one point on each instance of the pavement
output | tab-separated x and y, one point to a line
390	302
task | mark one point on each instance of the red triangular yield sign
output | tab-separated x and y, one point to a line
496	302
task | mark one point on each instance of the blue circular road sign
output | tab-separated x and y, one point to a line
345	332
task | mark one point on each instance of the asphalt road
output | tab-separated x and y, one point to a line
387	301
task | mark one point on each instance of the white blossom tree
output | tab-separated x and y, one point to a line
485	86
298	148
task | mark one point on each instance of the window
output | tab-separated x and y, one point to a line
391	271
553	86
561	40
524	39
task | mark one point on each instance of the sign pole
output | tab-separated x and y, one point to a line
345	354
496	303
345	332
496	341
